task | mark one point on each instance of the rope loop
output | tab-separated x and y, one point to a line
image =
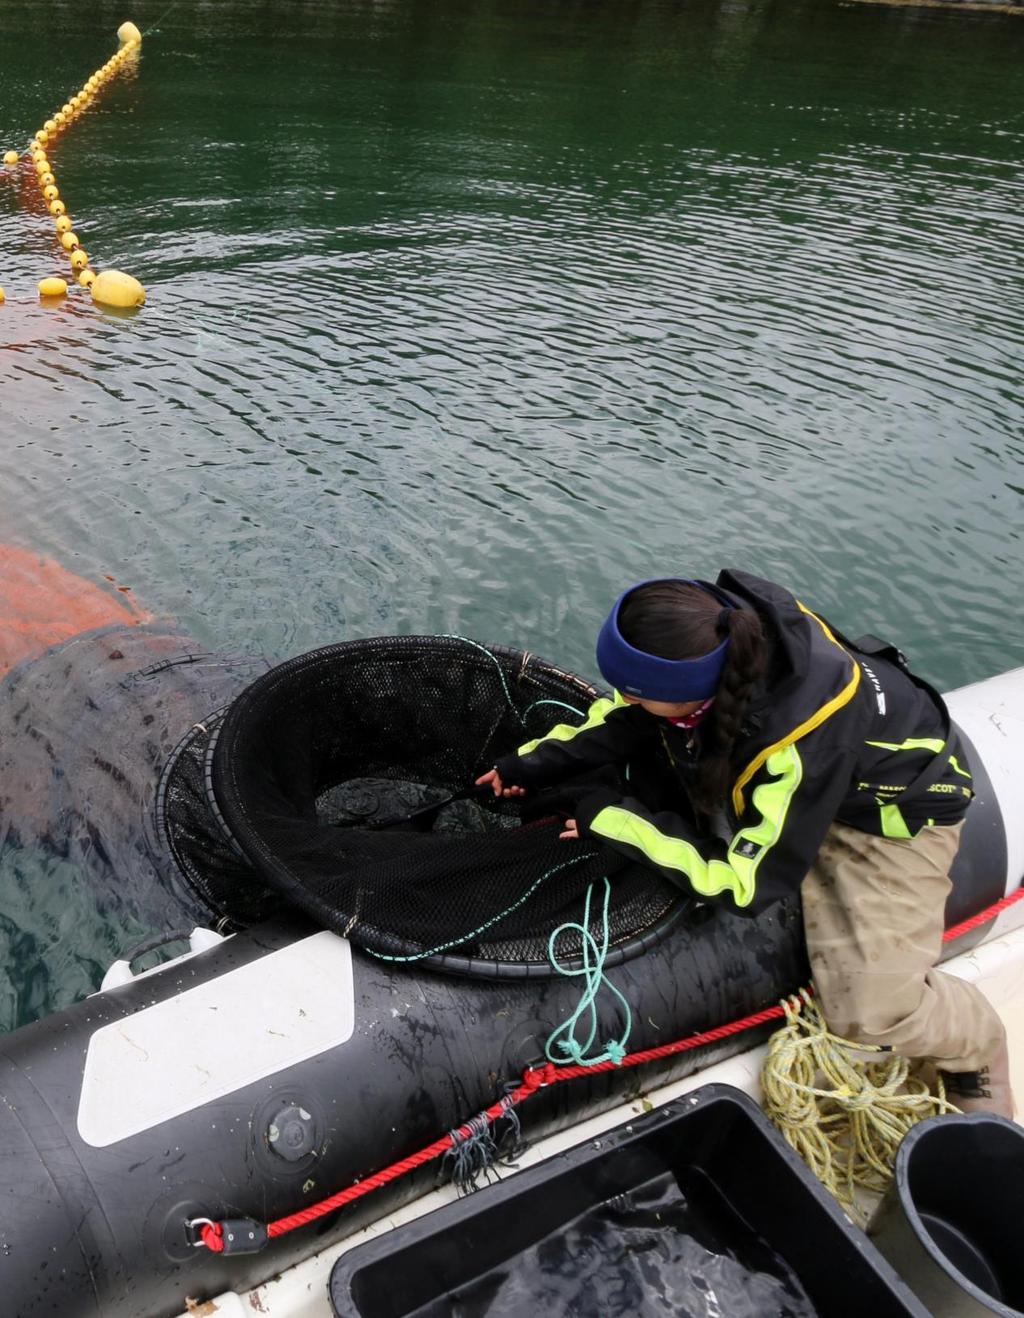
569	1049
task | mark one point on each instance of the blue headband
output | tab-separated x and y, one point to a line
637	673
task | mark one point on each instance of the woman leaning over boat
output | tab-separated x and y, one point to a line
750	751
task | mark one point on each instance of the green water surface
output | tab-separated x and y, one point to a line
462	315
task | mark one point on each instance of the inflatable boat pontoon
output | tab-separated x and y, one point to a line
264	1070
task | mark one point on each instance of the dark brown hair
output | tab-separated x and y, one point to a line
675	620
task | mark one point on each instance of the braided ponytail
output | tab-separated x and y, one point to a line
745	662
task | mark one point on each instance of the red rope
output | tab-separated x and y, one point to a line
533	1079
539	1078
983	917
212	1236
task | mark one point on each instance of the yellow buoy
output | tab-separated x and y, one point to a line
52	287
86	277
42	137
128	32
115	289
60	116
79	260
42	165
50	192
63	223
69	240
10	157
50	125
3	295
46	179
57	207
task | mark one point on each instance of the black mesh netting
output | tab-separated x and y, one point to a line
277	797
193	834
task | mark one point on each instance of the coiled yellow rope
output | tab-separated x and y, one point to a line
843	1116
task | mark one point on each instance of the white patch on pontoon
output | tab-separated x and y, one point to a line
196	1047
992	714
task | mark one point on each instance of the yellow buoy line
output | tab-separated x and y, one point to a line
109	287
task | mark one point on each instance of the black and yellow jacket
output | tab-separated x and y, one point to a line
834	732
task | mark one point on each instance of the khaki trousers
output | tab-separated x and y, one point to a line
873	917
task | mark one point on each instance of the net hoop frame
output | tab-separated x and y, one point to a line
230	724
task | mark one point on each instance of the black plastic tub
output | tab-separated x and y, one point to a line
695	1209
951	1222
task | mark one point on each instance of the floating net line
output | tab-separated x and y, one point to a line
275	800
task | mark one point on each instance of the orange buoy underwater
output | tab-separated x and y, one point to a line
42	603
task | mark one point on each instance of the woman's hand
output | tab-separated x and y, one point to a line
571	831
493	779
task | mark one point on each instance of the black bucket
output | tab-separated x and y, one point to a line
951	1223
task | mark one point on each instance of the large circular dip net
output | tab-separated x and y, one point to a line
301	791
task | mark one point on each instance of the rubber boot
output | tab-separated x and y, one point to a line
984	1090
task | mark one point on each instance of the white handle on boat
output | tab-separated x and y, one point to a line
199	940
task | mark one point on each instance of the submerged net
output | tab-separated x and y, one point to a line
277	798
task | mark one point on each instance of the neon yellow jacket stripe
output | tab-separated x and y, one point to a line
816	719
736	874
596	715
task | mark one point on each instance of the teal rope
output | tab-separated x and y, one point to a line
464	938
452	636
569	1049
560	703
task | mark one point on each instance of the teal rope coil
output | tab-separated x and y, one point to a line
569	1049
